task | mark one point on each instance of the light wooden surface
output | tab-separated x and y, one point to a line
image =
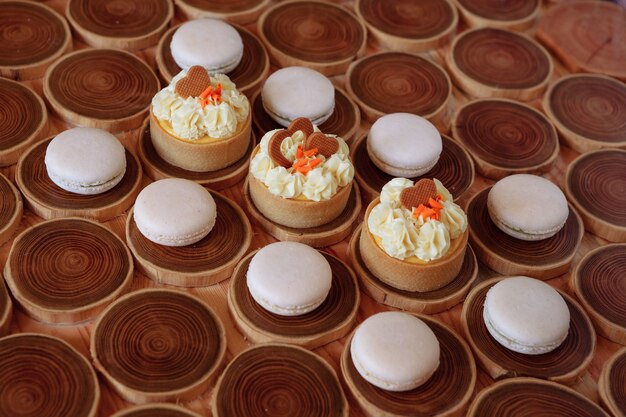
216	296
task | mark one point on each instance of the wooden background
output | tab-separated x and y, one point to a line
215	296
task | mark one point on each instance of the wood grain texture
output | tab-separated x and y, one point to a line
611	384
445	394
516	15
156	410
11	209
32	36
600	176
236	11
506	137
6	310
49	201
332	320
119	23
566	364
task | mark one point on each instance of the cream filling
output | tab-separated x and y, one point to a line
86	188
293	310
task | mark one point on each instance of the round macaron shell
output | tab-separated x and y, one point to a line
527	206
175	212
85	160
403	144
294	92
289	278
526	315
395	351
209	43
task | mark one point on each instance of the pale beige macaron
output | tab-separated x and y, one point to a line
395	351
527	207
404	145
526	315
289	278
175	212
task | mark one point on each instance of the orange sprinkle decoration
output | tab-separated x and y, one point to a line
206	92
299	152
299	163
435	204
315	162
311	152
432	212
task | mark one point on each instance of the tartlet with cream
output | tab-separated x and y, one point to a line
414	236
200	122
300	177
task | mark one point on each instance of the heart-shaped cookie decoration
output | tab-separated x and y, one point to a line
194	83
420	193
325	145
273	146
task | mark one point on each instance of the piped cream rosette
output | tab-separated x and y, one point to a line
300	196
410	247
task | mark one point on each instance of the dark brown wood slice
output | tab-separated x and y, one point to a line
42	376
525	397
600	284
446	392
67	270
565	364
595	183
587	36
156	410
48	200
278	380
611	384
23	117
158	345
11	209
588	110
223	6
31	37
6	310
511	10
506	137
454	169
542	259
104	88
330	321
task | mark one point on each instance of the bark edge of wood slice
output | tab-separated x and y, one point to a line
518	17
611	384
11	209
566	364
6	309
332	320
156	410
193	9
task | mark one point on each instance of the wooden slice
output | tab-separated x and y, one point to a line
506	137
67	270
512	15
599	281
23	117
157	168
588	110
541	259
586	36
105	88
156	410
11	209
491	62
312	33
611	385
446	393
409	25
392	82
32	36
454	169
595	183
49	201
43	376
325	235
204	263
248	76
278	380
6	309
343	122
565	364
159	345
431	302
236	11
119	23
532	397
330	321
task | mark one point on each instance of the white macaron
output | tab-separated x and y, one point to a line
175	212
527	207
395	351
289	278
404	145
526	315
294	92
85	160
209	43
